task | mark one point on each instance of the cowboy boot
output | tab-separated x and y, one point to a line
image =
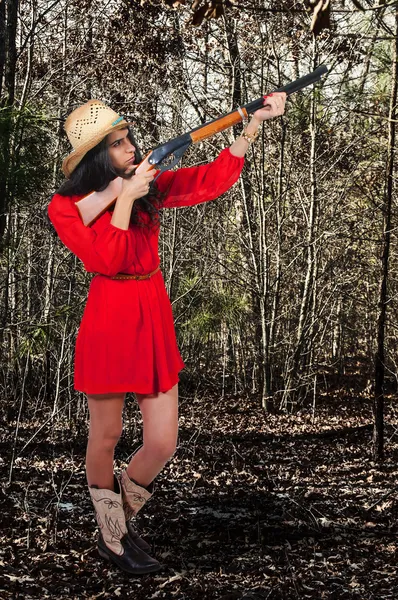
134	498
113	540
133	535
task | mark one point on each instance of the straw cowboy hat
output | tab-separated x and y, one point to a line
86	127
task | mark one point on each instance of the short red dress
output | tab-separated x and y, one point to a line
126	340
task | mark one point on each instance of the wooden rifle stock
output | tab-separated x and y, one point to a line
95	204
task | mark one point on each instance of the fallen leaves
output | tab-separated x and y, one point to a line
253	507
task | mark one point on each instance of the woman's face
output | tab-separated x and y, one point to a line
121	151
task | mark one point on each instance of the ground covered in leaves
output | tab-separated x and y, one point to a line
252	506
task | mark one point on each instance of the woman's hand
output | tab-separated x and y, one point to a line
137	185
274	106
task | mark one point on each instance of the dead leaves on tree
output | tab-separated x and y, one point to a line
319	10
212	9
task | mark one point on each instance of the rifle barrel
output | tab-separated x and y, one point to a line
290	88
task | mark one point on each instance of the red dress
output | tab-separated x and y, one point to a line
126	340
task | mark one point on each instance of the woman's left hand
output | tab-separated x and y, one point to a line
274	106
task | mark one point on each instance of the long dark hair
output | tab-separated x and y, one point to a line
95	171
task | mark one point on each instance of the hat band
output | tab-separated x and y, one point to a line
117	121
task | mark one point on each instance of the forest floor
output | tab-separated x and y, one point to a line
252	506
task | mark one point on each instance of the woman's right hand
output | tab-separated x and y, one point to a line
137	185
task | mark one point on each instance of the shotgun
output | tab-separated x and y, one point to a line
167	155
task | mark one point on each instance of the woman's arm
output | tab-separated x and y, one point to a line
133	188
193	185
107	249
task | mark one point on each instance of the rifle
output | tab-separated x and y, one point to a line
167	155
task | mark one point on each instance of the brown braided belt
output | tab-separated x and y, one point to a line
127	276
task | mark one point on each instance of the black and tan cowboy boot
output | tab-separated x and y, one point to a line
134	498
132	533
113	541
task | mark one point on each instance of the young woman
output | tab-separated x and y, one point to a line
126	340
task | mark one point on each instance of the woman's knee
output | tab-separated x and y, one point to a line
162	449
106	438
106	423
160	423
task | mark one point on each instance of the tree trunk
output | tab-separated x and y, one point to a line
292	392
9	56
11	50
28	76
49	281
280	217
256	232
378	400
2	41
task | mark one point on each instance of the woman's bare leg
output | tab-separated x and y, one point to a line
160	431
105	430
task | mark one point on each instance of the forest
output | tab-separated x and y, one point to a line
283	291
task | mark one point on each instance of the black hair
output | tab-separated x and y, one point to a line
95	171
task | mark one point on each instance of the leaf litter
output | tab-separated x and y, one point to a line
251	506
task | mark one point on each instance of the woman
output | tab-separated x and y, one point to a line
126	340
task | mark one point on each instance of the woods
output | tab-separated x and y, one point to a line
283	290
288	251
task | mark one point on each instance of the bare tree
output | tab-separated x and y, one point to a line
380	357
